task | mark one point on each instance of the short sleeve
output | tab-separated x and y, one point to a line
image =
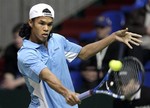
29	62
71	49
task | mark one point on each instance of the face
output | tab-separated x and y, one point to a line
40	29
130	87
17	40
103	32
90	75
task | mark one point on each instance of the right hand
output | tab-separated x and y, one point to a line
72	98
127	37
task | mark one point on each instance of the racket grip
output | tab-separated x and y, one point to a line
85	95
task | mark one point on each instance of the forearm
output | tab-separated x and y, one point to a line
20	81
53	81
93	48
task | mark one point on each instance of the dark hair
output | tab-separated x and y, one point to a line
25	31
17	28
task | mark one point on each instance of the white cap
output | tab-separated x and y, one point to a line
41	9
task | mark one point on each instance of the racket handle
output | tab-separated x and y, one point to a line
85	95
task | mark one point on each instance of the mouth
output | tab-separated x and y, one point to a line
45	35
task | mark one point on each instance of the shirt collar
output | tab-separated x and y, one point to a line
30	44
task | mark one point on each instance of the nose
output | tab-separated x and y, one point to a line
45	28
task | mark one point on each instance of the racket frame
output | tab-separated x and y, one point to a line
108	91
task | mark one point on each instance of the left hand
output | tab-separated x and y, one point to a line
71	98
128	37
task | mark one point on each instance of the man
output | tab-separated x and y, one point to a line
138	21
10	54
103	27
140	100
89	75
42	59
90	79
117	50
12	78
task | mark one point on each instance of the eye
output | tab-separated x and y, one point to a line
50	24
42	23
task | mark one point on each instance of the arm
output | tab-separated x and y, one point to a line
29	59
10	82
121	35
93	48
20	81
47	76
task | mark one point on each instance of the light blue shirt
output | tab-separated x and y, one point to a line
32	58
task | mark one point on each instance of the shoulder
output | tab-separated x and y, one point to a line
25	53
57	36
60	39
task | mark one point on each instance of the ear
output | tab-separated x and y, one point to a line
30	22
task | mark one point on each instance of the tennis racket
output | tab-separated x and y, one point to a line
122	84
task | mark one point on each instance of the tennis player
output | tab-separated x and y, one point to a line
42	59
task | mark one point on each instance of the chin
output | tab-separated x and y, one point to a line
44	40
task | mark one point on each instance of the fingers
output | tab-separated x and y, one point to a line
133	42
132	38
128	37
134	34
72	99
124	30
121	32
136	40
129	45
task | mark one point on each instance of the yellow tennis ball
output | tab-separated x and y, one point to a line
115	65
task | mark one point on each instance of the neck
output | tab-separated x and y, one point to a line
45	44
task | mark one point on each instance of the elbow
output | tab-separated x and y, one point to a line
84	58
83	55
45	74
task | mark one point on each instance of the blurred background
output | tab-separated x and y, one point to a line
15	11
79	21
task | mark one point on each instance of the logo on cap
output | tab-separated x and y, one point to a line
47	12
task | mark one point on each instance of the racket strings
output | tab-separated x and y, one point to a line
118	83
114	83
129	79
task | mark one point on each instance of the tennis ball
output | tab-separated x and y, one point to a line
115	65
